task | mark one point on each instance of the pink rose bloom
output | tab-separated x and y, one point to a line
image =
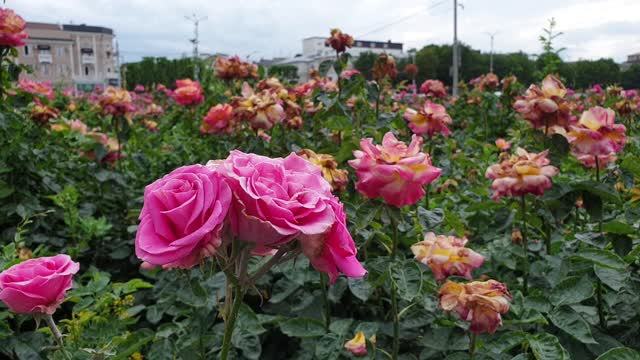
503	144
188	92
358	345
347	74
12	29
596	89
433	88
630	94
275	200
523	173
481	303
262	109
218	120
335	251
182	217
596	134
447	256
546	107
429	120
37	286
37	88
139	88
392	170
590	160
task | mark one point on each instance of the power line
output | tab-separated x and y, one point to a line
402	19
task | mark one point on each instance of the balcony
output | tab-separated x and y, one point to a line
88	59
45	58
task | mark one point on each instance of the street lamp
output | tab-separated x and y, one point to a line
492	35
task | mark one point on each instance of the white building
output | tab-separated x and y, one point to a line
316	54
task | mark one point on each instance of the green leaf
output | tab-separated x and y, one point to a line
5	189
632	164
507	341
360	288
282	289
546	347
613	278
571	290
620	353
407	278
603	191
302	327
603	258
572	323
618	227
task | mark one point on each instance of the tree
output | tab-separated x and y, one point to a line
630	78
284	72
160	70
364	63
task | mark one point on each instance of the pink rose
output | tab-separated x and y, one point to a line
521	174
432	118
182	217
275	200
596	134
37	286
12	28
187	92
447	256
393	170
336	250
219	119
433	88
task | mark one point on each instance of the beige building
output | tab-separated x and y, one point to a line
77	56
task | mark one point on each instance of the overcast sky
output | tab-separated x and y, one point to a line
267	28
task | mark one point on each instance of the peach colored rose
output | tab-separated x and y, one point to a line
188	92
481	303
218	120
432	118
447	256
520	174
12	29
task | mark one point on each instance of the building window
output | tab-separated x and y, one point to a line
86	70
60	51
108	70
359	44
108	54
26	50
386	46
45	69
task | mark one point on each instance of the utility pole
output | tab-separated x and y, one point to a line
196	21
455	48
492	35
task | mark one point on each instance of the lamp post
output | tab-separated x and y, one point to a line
491	35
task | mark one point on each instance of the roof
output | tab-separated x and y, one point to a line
367	43
88	28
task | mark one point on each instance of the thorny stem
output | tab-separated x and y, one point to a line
325	301
230	320
394	289
472	345
56	334
525	244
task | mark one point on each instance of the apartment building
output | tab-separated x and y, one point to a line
78	56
